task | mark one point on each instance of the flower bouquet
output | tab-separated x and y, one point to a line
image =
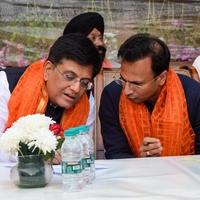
34	139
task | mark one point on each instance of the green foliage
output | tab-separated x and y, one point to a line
24	150
60	142
42	28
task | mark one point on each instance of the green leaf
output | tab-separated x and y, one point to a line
60	142
49	156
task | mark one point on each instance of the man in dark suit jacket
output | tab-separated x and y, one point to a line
149	110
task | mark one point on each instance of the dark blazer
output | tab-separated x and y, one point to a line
115	142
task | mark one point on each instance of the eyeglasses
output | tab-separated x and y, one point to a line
132	84
71	78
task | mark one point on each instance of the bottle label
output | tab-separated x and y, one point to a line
92	158
71	167
86	162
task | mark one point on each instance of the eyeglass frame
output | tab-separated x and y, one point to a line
122	82
74	80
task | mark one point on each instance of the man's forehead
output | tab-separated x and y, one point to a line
77	69
136	69
95	31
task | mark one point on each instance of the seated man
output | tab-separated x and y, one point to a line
91	24
56	86
149	110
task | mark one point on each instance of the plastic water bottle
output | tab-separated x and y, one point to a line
71	152
84	139
89	157
92	156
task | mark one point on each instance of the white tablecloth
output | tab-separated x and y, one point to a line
144	178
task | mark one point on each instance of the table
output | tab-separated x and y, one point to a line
143	178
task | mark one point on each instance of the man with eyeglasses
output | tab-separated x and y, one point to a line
91	24
149	110
56	86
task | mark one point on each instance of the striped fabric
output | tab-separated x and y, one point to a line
169	120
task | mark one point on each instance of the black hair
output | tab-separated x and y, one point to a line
78	48
144	45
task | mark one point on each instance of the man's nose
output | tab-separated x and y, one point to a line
127	90
75	86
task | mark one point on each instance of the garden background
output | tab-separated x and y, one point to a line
28	28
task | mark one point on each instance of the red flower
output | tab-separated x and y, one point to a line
56	128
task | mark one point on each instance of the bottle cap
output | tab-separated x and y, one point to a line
71	131
83	128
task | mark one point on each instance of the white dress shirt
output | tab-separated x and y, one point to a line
196	64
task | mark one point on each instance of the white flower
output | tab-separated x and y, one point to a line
32	130
34	122
44	140
9	141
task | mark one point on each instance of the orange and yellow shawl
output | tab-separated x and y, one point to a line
169	120
30	97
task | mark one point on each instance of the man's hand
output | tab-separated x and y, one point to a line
150	147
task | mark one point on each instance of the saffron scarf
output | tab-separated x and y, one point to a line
168	122
30	97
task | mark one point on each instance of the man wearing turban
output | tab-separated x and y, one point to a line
90	24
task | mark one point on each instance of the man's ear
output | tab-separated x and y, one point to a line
163	78
48	67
